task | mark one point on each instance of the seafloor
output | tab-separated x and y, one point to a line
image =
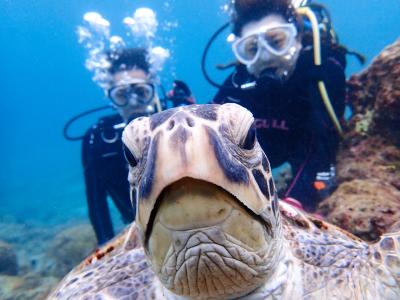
35	257
367	203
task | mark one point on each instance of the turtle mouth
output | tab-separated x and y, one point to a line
200	236
191	203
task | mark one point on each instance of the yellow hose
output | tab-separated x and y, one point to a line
317	61
158	103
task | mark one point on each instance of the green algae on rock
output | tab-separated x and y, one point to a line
369	160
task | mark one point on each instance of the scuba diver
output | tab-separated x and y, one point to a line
132	94
129	78
291	75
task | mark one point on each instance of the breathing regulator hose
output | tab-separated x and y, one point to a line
69	137
317	61
204	58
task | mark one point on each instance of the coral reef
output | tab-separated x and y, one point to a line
366	207
374	96
368	201
8	260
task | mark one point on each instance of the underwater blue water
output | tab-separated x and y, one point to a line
44	82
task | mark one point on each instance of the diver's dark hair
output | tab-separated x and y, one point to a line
127	59
246	11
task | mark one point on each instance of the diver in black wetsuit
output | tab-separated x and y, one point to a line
133	94
278	81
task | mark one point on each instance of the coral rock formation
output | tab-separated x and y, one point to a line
44	254
368	201
32	287
365	207
69	248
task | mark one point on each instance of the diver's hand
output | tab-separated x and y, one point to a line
180	94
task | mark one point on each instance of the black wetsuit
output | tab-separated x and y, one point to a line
291	120
106	173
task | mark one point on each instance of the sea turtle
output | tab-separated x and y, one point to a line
209	225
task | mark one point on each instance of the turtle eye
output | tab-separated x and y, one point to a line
250	139
130	158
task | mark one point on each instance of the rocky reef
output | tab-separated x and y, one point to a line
68	248
367	201
33	257
30	286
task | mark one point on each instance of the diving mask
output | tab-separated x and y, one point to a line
277	40
135	94
271	49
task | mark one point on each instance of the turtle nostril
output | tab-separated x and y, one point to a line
171	125
190	122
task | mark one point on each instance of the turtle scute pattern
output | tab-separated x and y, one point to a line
337	265
302	257
117	271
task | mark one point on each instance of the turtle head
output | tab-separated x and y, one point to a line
207	209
